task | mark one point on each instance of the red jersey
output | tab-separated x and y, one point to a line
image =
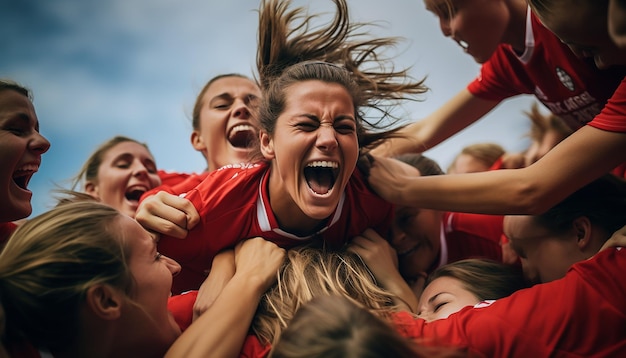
570	87
613	115
177	183
233	204
580	315
472	236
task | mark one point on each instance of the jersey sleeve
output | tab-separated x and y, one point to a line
613	116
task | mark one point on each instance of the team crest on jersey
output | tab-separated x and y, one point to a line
565	79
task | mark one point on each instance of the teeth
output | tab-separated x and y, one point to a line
27	168
242	127
323	164
463	44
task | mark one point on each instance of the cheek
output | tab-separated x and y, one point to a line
155	180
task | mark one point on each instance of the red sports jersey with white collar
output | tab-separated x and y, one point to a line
580	315
570	87
233	204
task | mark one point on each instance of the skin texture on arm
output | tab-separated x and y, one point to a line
221	330
222	271
457	114
382	260
582	157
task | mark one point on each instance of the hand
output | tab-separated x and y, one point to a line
222	270
617	239
259	259
376	253
382	260
388	176
167	214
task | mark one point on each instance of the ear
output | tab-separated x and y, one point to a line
267	145
92	189
105	301
582	228
197	142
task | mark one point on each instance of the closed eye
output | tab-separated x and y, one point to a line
307	126
439	305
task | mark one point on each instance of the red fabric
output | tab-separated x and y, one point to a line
613	115
176	183
581	315
473	236
504	75
181	307
252	348
233	206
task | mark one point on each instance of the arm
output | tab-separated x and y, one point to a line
222	271
221	330
382	260
457	114
582	157
168	214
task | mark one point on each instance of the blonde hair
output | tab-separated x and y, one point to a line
49	264
334	327
486	153
542	124
310	272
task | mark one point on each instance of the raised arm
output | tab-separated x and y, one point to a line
457	114
584	156
221	330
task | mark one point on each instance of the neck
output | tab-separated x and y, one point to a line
515	34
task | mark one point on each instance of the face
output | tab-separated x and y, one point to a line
582	25
314	150
126	172
443	297
466	163
21	147
227	129
416	235
545	256
478	26
152	273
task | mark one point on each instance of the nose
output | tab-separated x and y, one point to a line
139	169
242	111
326	137
39	144
172	265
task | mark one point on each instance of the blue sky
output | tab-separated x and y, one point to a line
134	67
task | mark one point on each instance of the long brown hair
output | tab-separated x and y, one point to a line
292	50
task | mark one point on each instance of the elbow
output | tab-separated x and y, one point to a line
529	199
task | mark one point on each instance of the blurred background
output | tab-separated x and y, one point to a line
134	67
